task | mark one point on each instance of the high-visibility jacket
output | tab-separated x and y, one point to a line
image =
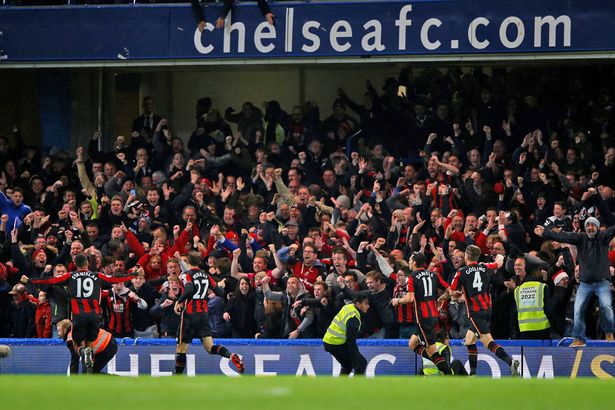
100	344
429	368
336	333
530	300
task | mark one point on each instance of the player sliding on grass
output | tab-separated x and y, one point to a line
192	305
84	293
475	279
423	287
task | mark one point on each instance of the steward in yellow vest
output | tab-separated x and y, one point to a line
341	337
530	298
429	368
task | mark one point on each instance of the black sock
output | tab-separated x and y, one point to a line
421	351
500	352
180	363
472	357
220	350
441	363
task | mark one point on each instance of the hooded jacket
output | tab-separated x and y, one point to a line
592	252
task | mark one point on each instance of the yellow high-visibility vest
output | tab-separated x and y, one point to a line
429	368
336	333
530	300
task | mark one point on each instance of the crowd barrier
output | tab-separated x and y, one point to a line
156	357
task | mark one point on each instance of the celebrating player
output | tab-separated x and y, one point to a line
84	293
423	287
192	305
474	279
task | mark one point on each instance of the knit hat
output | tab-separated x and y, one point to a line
231	236
559	276
593	221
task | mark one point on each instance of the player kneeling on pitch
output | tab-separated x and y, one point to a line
103	348
194	322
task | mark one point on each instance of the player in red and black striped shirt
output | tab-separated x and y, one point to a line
423	286
192	305
475	280
84	293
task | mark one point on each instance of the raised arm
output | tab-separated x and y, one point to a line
565	237
235	265
111	279
48	281
280	268
269	294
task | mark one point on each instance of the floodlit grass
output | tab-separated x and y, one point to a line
249	392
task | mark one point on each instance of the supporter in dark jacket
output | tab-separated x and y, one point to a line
163	309
22	313
323	307
594	273
239	310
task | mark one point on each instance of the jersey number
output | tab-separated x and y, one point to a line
201	289
427	287
477	283
85	287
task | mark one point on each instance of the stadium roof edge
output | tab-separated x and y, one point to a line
499	58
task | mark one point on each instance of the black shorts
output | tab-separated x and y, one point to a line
193	326
102	358
426	330
481	322
85	327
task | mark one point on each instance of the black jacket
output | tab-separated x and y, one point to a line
323	315
593	253
22	320
241	308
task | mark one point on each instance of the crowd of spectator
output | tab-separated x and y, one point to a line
294	212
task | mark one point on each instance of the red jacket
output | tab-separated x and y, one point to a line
42	319
180	245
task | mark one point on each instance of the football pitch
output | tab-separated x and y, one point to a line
288	392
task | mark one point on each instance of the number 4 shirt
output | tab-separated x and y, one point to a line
474	280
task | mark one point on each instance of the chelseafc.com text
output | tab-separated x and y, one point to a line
376	36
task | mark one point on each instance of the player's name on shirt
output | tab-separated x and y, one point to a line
78	274
473	269
423	274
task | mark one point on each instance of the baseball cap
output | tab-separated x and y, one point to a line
291	222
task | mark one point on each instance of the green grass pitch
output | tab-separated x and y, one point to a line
293	393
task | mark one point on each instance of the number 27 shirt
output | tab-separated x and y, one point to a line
201	281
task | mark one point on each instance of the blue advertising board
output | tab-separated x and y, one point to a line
310	29
157	358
